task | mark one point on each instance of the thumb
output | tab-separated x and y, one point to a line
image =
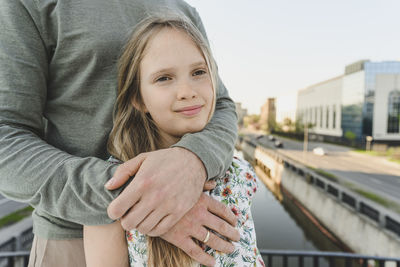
125	171
209	185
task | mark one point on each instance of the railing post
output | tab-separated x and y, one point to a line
349	262
301	261
269	260
285	260
316	261
331	262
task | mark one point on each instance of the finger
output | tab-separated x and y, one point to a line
163	226
209	185
135	216
222	227
125	171
197	253
152	221
214	241
221	210
125	201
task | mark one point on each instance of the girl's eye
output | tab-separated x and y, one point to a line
199	72
163	79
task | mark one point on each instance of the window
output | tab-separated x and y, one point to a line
327	117
315	116
334	116
394	112
320	117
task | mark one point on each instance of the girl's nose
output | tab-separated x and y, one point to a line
186	91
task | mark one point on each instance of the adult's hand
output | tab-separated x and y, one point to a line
210	213
167	184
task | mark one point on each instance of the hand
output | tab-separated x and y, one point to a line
167	184
210	213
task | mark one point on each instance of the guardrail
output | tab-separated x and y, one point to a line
297	258
12	251
313	258
14	259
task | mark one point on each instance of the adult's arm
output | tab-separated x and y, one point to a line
31	170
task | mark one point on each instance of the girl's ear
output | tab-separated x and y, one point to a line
138	106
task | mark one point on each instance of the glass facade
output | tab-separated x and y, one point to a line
358	97
394	112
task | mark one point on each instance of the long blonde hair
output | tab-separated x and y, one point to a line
134	131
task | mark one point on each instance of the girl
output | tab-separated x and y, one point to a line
167	88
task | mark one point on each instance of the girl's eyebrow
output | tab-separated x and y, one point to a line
161	71
198	64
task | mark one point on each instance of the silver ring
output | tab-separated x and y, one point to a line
207	237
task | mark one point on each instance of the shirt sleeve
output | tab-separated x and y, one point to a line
215	144
31	170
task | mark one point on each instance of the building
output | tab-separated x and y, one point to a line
268	114
241	113
364	101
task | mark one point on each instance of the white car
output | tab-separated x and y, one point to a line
319	151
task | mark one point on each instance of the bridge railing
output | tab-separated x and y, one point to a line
333	259
297	259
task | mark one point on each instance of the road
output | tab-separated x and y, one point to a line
371	173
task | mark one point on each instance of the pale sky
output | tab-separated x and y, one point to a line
274	48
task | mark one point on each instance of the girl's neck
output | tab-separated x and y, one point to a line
168	140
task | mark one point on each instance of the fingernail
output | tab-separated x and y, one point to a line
110	182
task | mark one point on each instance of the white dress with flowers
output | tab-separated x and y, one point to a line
235	189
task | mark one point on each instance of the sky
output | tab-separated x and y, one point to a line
269	48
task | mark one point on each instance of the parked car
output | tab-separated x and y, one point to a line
258	137
319	151
278	143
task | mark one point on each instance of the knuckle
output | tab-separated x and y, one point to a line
223	227
113	212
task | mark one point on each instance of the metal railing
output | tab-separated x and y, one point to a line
14	259
297	259
313	259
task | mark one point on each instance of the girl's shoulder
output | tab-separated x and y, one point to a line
241	167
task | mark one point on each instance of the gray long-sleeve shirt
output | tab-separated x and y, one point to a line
57	91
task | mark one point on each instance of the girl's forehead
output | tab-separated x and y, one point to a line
170	45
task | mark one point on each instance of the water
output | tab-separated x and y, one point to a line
281	225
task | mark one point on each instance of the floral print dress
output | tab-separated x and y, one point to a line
236	189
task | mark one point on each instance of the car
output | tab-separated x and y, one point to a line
319	151
278	144
271	138
258	137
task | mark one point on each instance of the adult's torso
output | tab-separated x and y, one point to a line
84	39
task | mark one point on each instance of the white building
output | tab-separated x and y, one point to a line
365	101
319	105
387	108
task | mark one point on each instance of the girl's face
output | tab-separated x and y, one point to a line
175	84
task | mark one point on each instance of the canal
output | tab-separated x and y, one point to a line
282	225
